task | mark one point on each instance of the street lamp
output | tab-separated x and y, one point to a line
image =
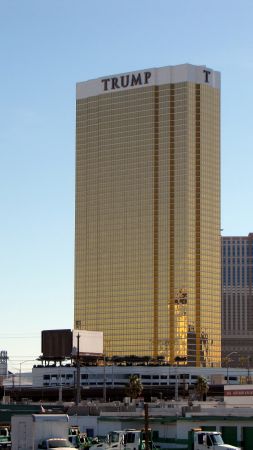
20	366
227	361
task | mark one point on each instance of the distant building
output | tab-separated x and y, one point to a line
237	300
147	247
3	365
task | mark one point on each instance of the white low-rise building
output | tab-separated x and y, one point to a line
118	376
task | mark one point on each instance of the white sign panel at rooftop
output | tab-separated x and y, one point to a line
90	342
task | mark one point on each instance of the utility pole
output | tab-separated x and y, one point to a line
176	383
78	392
146	426
60	386
104	387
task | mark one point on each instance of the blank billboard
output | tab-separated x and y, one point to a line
56	343
90	342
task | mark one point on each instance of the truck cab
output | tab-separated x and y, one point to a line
114	440
55	444
135	440
130	439
5	438
212	440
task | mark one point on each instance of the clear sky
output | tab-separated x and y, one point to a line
46	46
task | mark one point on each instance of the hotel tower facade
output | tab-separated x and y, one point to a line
147	248
237	300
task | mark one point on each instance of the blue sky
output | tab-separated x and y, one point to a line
46	46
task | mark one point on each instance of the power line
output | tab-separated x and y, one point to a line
16	358
19	336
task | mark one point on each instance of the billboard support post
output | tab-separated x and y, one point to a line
104	389
78	396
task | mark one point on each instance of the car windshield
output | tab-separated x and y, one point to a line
217	439
56	443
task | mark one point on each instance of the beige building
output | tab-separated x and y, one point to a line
237	296
147	251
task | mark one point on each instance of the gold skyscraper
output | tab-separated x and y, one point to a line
147	250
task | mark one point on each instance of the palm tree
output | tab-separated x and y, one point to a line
202	388
245	363
134	388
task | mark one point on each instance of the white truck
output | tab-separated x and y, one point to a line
5	437
114	440
212	440
123	440
40	431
